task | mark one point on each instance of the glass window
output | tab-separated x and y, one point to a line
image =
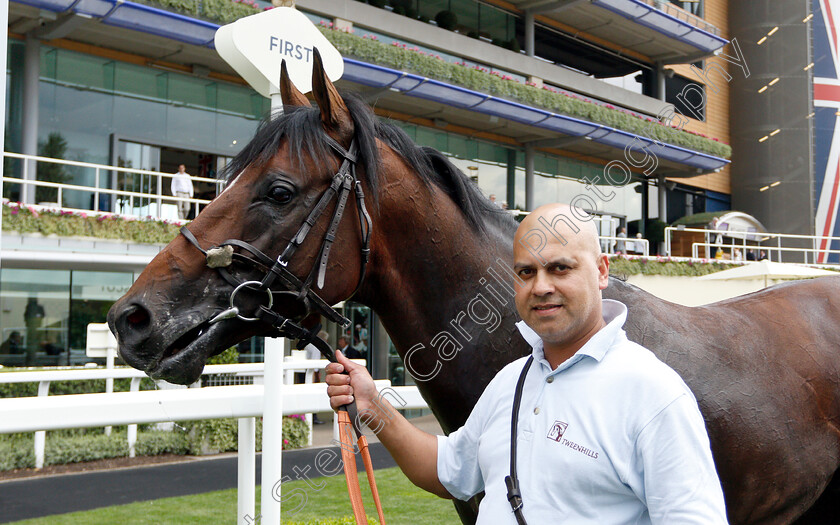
91	295
82	70
495	24
190	91
467	11
34	312
687	96
135	80
432	7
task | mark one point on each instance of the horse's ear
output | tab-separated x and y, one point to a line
334	113
290	94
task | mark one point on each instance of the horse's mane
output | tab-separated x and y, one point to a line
301	126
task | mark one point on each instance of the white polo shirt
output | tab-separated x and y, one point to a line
613	436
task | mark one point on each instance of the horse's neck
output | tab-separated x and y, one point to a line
435	282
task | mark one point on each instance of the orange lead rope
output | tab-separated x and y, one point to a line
346	429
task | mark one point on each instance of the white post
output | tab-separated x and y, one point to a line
41	436
131	432
272	435
109	381
247	468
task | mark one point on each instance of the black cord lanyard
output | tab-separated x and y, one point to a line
512	482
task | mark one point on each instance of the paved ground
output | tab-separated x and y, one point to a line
59	494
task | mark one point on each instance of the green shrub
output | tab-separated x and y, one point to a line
62	450
446	20
157	442
18	453
295	432
620	265
22	219
60	388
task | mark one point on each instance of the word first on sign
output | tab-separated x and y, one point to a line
256	45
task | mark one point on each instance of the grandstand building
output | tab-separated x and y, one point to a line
534	99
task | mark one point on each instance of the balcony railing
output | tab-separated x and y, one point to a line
682	14
150	201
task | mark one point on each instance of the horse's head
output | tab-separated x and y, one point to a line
286	238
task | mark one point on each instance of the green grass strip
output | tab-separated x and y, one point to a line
317	501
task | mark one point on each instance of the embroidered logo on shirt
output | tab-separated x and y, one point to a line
556	431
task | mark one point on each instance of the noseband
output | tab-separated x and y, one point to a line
276	271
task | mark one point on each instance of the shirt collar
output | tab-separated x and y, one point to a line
614	314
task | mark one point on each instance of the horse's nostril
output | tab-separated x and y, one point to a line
137	317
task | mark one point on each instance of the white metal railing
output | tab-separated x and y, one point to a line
124	200
760	242
613	244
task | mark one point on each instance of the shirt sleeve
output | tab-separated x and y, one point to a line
458	468
681	484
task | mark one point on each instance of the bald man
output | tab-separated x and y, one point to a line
607	434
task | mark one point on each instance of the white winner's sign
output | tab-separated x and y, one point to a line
256	45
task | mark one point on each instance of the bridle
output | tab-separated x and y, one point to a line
221	257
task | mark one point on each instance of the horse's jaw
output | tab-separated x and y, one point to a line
171	348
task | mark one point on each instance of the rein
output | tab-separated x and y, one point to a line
221	257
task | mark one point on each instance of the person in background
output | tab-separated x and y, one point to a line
12	345
182	187
621	246
639	245
33	317
345	348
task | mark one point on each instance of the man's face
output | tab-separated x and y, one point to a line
181	168
561	297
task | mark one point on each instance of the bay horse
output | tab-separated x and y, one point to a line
765	368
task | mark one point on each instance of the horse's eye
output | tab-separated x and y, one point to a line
280	194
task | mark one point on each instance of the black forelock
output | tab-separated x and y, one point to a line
302	127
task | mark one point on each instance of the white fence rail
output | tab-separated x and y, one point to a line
244	402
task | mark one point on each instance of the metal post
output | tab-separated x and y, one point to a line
272	436
529	34
41	436
96	193
381	366
246	471
29	132
160	196
663	198
661	74
511	179
529	177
